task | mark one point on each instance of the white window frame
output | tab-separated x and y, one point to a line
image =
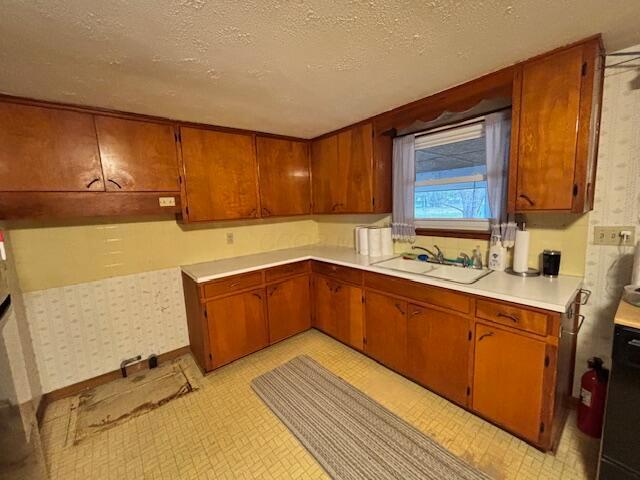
443	136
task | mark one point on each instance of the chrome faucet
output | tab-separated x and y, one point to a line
466	261
438	257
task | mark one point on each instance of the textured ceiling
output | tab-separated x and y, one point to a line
300	67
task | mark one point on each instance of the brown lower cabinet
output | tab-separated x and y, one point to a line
508	379
338	310
237	326
439	349
386	330
288	307
502	361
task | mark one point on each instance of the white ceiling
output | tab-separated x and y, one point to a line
300	67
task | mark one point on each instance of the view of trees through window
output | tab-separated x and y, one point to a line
451	181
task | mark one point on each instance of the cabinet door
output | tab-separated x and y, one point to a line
508	379
288	307
48	150
386	330
338	310
324	169
237	326
355	173
549	110
285	185
220	175
342	171
137	156
438	351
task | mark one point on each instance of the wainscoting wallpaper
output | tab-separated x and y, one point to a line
84	330
617	202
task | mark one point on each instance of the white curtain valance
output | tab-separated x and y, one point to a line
404	178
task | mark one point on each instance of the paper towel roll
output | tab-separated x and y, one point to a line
356	234
363	241
387	241
521	251
635	273
375	241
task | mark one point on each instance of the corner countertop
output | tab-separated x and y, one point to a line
627	315
555	294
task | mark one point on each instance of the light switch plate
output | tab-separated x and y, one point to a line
614	236
229	238
167	201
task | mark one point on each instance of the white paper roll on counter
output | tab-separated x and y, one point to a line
356	234
387	241
363	241
521	252
635	273
375	241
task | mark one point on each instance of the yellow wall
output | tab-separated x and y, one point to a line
55	255
567	233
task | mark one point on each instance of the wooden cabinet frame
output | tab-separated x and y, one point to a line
556	388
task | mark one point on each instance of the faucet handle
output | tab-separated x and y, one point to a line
466	260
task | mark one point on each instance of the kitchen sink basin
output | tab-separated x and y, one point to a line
450	273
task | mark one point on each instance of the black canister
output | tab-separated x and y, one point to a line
550	263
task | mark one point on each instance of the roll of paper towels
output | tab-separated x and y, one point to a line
635	273
375	241
363	241
356	234
387	241
521	252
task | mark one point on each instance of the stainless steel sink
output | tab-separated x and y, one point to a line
450	273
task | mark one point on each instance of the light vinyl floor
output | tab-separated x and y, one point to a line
223	430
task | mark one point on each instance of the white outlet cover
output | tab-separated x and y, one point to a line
167	201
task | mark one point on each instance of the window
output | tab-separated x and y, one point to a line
451	177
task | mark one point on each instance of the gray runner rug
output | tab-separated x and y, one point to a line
349	434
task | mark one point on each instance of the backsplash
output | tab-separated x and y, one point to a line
85	330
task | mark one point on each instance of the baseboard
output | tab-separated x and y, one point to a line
79	387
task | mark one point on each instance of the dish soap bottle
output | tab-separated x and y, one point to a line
497	254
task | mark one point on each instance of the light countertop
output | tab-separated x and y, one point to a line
550	294
627	315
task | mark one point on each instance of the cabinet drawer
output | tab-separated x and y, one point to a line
345	274
232	284
282	271
423	293
517	317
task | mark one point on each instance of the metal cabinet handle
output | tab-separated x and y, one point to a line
114	182
336	206
257	295
581	317
584	296
92	182
490	334
266	212
273	289
234	284
399	308
531	202
416	312
510	317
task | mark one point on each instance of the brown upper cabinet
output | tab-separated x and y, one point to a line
137	156
221	181
346	175
556	114
285	184
48	150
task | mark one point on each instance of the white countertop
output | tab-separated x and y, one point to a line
550	294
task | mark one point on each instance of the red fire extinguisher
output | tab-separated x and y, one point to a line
593	391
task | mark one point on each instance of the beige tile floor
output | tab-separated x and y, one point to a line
224	431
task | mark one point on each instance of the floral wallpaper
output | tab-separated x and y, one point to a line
617	202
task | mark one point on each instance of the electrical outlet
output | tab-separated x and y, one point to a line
167	201
624	236
229	238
